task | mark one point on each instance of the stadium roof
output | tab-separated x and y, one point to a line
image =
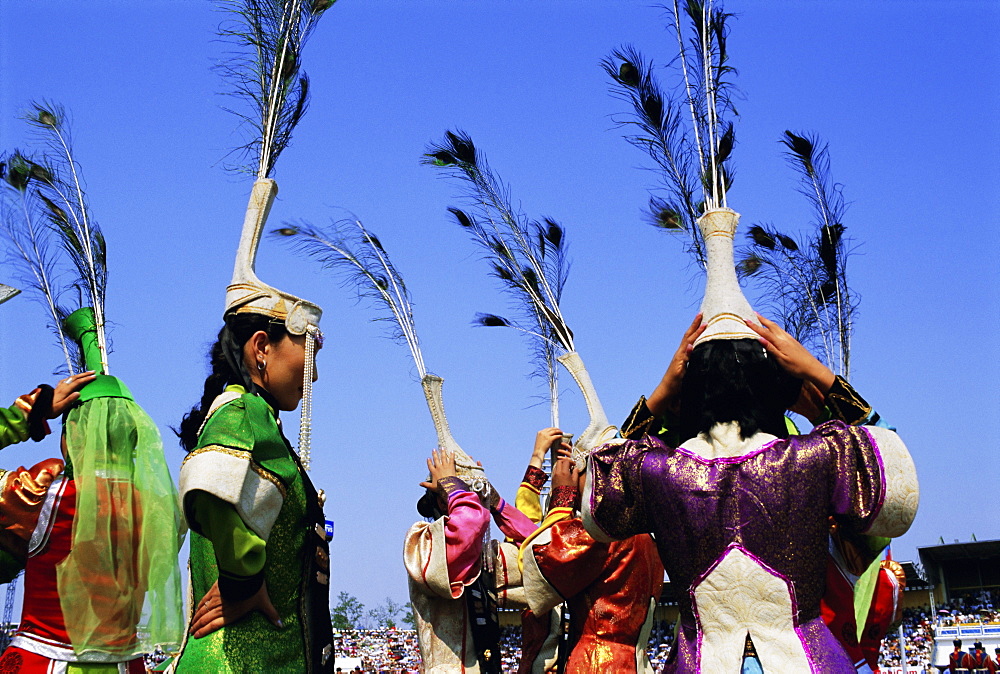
963	567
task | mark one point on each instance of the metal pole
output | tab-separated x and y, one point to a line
902	650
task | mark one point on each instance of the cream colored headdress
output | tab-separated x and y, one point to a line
724	306
248	294
467	469
599	431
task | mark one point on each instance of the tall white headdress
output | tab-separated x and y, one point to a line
248	294
724	307
266	72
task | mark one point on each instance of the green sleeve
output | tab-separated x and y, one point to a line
239	551
13	426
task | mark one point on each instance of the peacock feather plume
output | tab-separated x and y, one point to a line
529	257
350	250
265	72
54	239
685	129
805	286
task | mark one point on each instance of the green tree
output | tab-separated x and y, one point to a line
348	613
384	615
408	618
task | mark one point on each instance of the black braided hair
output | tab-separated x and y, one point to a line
735	380
226	367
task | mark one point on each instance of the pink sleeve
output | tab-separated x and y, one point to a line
464	528
514	524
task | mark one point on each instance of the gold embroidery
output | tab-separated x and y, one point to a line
269	477
723	316
240	454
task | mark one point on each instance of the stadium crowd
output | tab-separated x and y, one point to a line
395	651
918	628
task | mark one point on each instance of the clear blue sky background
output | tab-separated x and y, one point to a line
906	94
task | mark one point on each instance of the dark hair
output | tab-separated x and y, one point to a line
427	505
226	363
735	380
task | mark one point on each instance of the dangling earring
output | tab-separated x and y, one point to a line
261	366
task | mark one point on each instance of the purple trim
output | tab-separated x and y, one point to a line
759	562
452	485
728	459
881	476
810	658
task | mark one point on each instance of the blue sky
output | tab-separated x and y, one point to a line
904	92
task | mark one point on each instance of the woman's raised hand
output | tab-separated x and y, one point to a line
792	356
440	464
565	474
68	390
667	394
543	440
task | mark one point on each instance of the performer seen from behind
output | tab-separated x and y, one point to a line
610	589
453	600
740	510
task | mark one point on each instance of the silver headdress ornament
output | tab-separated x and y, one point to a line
248	294
724	306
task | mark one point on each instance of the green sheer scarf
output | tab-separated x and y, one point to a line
122	570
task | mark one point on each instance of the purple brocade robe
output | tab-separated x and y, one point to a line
745	537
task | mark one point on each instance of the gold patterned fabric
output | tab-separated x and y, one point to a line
608	588
767	508
296	569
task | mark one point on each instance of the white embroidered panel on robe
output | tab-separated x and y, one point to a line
741	595
902	493
540	595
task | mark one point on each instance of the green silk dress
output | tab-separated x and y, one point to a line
255	516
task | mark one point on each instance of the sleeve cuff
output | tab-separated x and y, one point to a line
535	478
450	485
237	588
563	497
639	422
845	404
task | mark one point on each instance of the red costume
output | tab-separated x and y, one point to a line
955	659
39	504
978	660
838	611
610	589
